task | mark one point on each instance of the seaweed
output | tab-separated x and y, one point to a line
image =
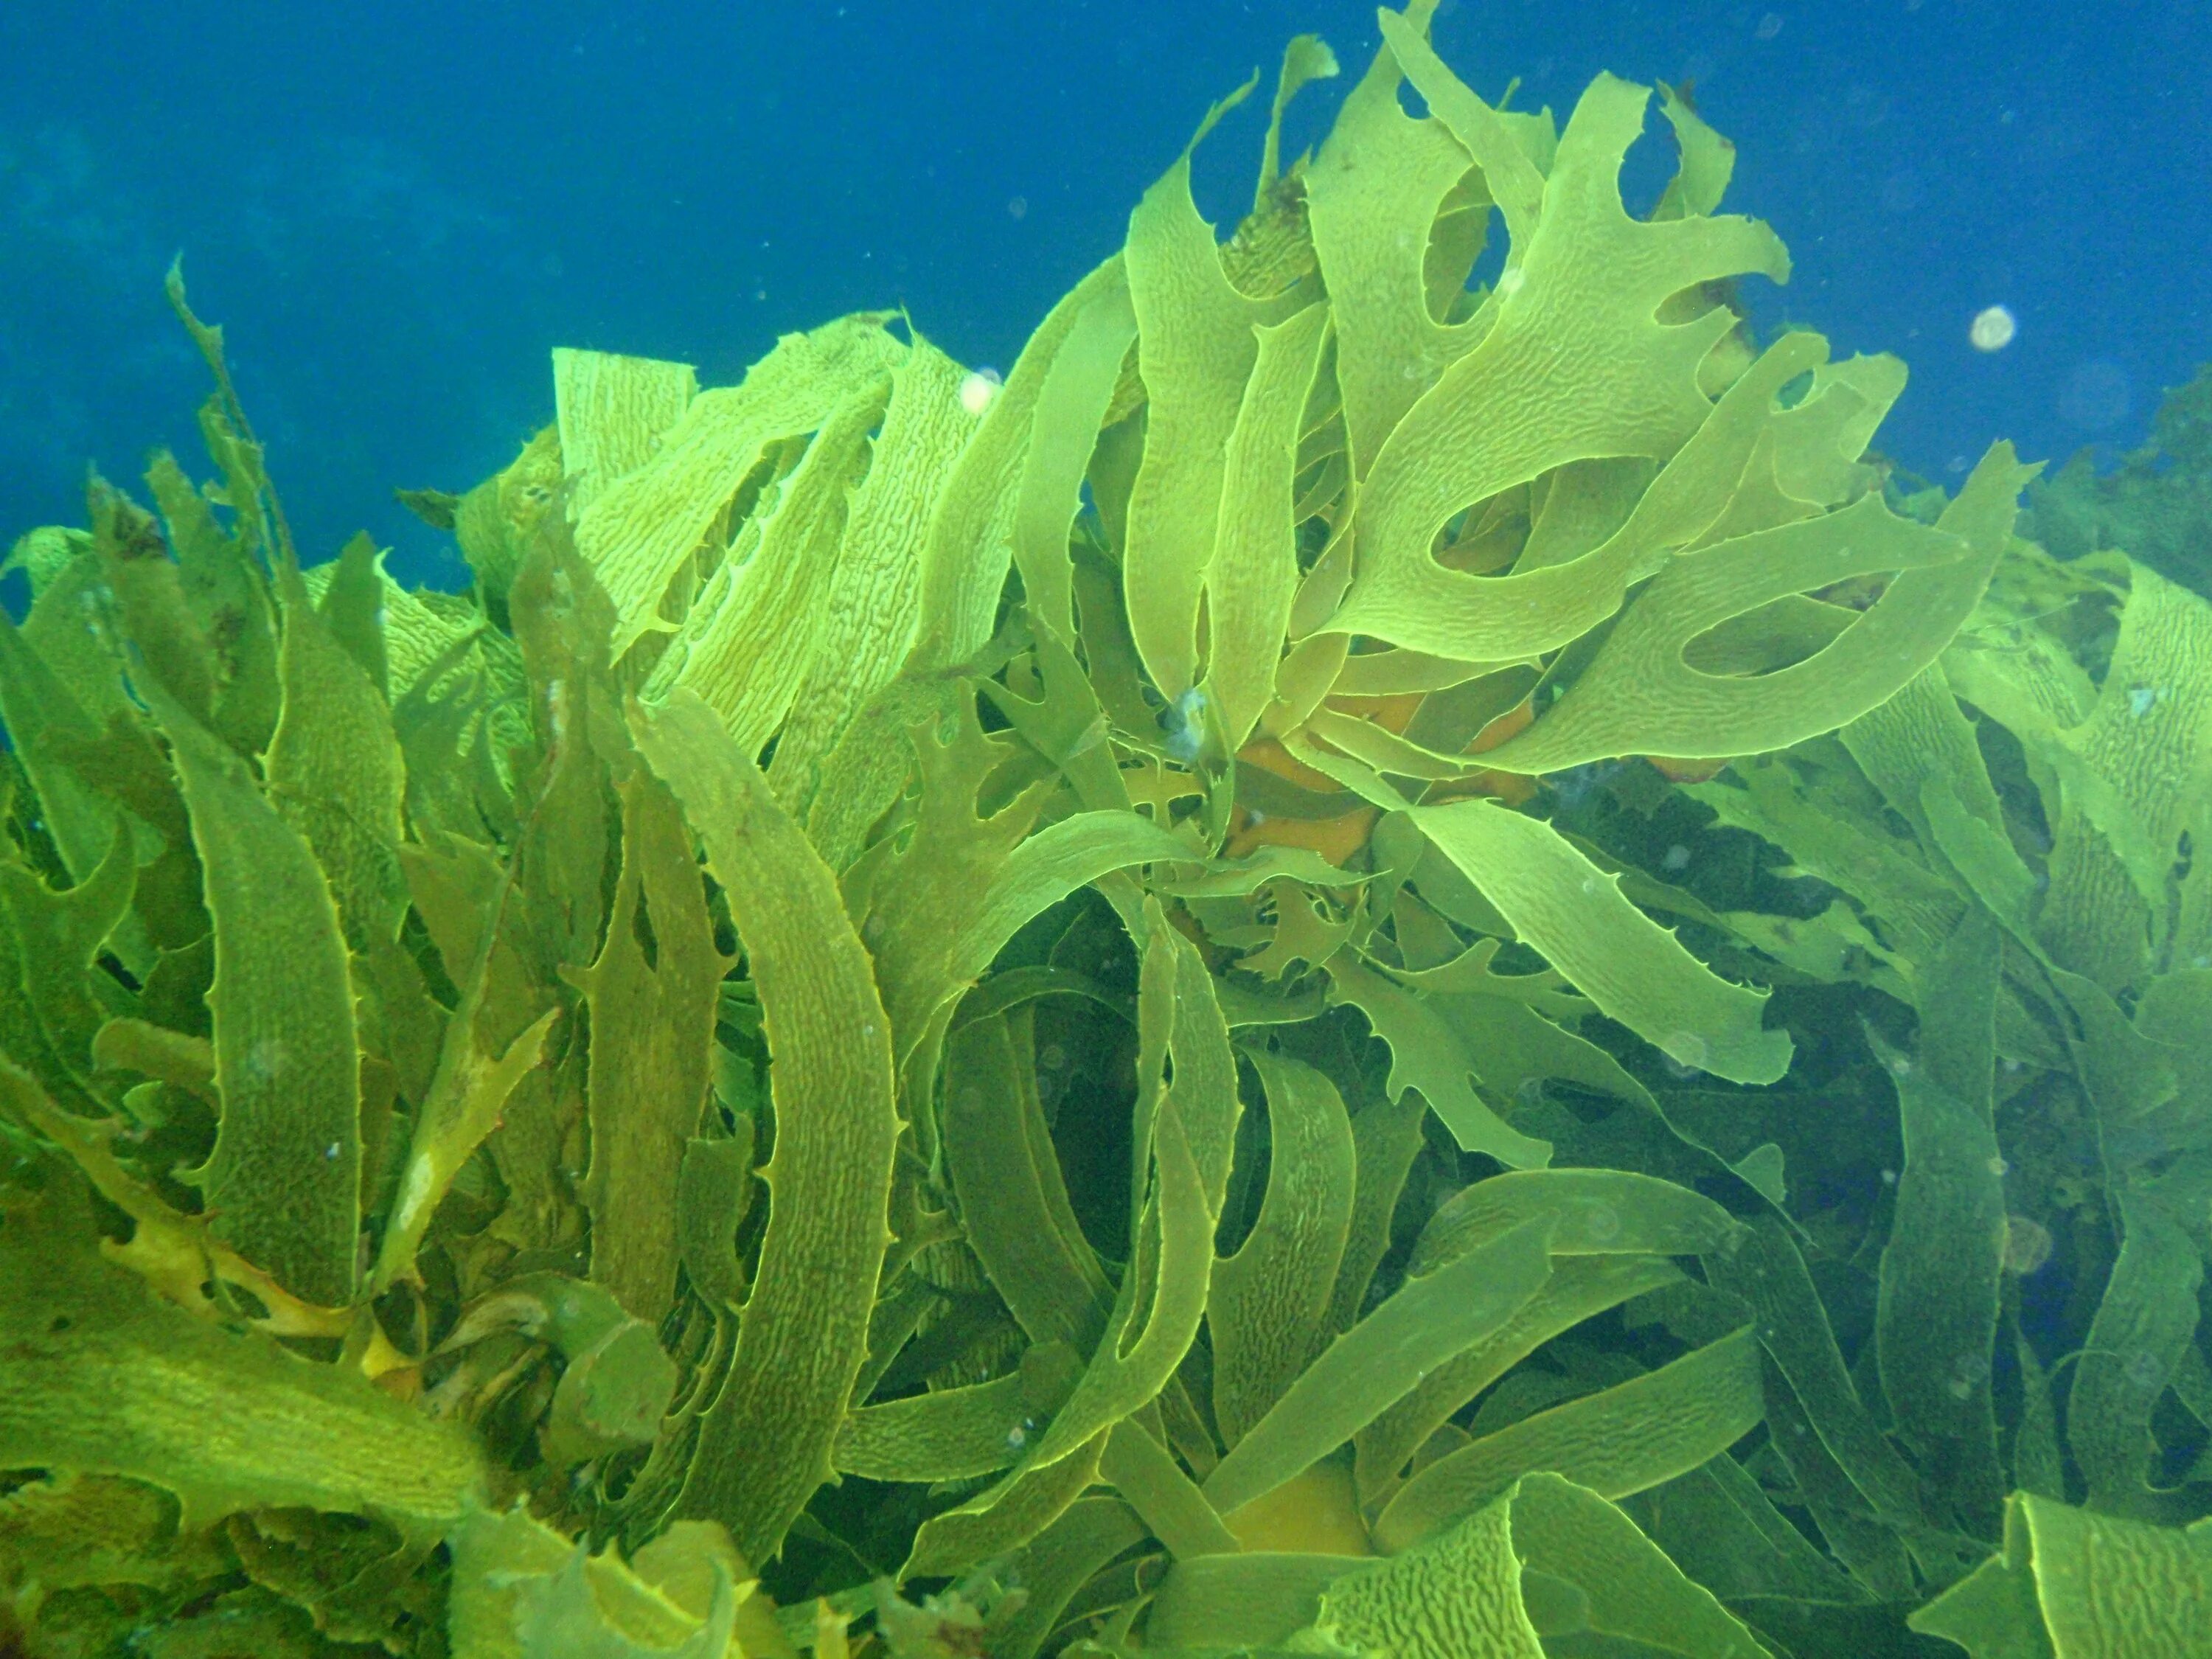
2156	503
1373	962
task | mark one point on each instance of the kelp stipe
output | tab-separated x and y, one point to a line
1367	965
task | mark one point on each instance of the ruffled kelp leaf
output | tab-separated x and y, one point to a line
354	605
1153	1484
1937	1322
334	769
284	1183
1254	572
1720	1527
1386	1139
970	544
43	554
871	606
2146	1321
1707	162
1264	1307
523	1591
1055	1564
99	1378
2074	1584
74	638
1769	1272
653	1035
639	530
85	763
472	1085
1461	1594
765	1443
1579	1288
1594	1211
228	596
1557	1555
1624	1589
616	1382
1611	1233
715	1191
1639	696
943	908
1162	1299
172	653
497	521
1617	1442
1070	406
1263	1600
1629	966
612	413
751	637
957	1434
1012	1194
60	1531
1012	1513
1306	59
1424	1324
2132	776
1374	194
49	944
1427	1055
1196	349
1583	284
1611	1230
1921	751
1184	1060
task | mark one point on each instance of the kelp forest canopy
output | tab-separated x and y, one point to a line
1377	964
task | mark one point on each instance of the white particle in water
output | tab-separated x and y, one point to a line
1993	328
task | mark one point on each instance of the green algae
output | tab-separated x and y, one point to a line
1075	1012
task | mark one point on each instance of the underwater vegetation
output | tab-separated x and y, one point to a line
2156	503
1370	966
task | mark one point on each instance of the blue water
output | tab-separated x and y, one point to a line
398	209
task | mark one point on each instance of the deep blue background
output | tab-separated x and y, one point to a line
398	209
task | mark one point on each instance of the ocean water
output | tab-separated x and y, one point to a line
397	210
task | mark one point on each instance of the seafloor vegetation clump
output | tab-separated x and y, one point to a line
2156	503
1376	966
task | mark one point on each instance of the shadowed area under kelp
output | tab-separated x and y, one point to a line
1368	965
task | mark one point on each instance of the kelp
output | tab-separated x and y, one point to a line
1380	962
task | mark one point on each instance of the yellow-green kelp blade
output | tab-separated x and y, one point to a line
284	1183
2071	1585
1631	967
765	1444
99	1376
